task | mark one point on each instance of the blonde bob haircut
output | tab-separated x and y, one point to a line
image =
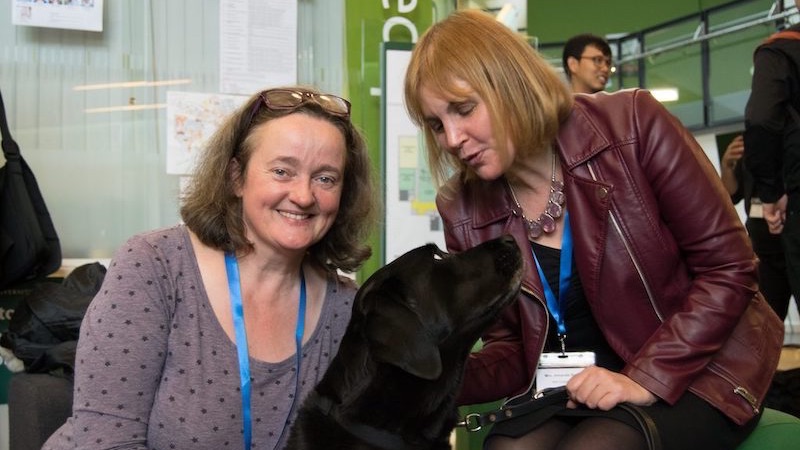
526	99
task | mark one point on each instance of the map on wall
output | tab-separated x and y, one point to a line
414	182
191	119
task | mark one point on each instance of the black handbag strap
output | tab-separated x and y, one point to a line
647	424
556	398
545	398
10	147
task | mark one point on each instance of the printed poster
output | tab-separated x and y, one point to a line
257	45
191	119
67	14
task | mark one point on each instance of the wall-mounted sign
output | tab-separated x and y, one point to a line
68	14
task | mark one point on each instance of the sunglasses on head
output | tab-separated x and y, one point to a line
289	99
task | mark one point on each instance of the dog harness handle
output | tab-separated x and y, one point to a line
234	287
544	402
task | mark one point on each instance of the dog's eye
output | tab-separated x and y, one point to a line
437	252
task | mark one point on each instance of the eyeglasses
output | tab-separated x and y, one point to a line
288	99
599	61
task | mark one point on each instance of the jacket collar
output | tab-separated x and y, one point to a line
491	201
579	133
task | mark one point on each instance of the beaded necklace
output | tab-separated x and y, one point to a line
546	222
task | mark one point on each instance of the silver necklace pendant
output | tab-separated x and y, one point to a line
546	222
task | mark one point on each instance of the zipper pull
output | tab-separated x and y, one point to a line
744	393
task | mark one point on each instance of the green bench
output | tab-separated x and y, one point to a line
777	430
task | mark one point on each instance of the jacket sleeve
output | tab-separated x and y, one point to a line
765	116
697	230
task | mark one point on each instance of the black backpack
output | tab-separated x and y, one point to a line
29	245
43	332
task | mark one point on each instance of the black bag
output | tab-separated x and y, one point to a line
29	245
43	332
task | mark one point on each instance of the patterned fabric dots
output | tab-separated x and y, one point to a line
155	367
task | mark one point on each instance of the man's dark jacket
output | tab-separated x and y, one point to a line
772	122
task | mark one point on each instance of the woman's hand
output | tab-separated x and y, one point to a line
733	153
598	388
775	215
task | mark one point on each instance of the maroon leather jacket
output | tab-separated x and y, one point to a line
664	260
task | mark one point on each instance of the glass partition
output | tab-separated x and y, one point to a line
731	58
101	167
676	73
699	66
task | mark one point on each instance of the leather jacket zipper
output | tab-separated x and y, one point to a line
744	393
739	390
627	245
530	389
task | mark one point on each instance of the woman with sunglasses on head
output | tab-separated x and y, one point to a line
639	271
209	334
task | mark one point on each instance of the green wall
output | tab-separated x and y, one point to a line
364	34
556	21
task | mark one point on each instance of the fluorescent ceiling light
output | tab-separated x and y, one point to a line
125	108
665	94
131	84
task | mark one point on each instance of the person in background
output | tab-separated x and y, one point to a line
772	140
638	266
587	63
773	279
209	334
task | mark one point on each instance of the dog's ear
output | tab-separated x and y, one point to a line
396	336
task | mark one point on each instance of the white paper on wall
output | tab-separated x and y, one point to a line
191	119
68	14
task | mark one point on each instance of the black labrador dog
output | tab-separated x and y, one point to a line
394	381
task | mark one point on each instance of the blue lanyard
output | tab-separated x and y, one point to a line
556	305
234	287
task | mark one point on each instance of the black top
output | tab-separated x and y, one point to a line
583	334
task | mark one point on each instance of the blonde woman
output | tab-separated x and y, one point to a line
638	266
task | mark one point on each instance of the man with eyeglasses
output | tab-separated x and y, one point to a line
587	63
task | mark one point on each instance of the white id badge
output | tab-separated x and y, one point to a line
555	369
756	208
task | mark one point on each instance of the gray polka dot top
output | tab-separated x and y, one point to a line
155	370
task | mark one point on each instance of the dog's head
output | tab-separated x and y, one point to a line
427	308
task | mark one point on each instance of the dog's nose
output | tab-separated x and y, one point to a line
509	260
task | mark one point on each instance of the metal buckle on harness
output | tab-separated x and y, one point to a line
471	422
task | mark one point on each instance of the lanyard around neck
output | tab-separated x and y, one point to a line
234	286
556	305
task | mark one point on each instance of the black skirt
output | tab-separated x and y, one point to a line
691	423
